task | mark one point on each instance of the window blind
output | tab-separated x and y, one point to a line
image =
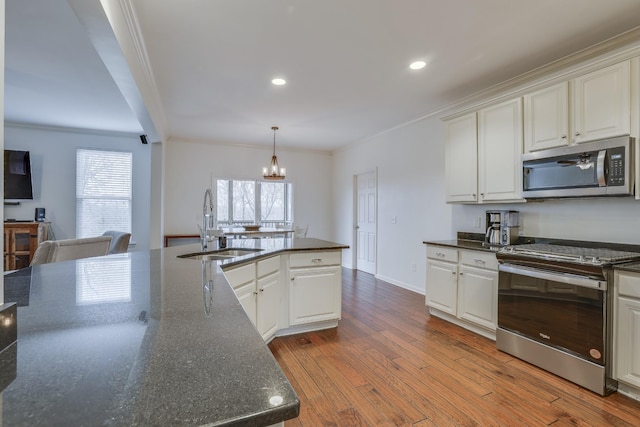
103	191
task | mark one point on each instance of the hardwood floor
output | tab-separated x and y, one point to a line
389	363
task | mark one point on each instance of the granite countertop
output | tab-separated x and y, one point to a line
136	339
633	267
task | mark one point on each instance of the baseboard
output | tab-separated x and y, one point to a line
463	323
401	285
630	392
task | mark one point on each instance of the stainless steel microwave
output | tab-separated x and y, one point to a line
599	168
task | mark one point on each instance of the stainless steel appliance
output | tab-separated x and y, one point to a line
598	168
502	227
554	308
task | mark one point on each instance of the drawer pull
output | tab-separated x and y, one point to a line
479	261
316	260
440	254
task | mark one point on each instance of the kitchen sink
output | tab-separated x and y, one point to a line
221	254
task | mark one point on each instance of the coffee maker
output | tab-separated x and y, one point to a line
502	227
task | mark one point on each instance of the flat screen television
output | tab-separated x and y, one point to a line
17	175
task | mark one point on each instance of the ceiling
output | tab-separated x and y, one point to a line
345	62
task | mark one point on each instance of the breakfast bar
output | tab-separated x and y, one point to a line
143	338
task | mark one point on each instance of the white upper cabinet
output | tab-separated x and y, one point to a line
499	152
546	123
462	159
601	103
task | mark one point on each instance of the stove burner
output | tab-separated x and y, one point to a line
579	255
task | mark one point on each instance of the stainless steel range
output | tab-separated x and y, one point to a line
554	309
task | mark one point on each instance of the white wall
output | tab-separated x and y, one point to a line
190	167
612	219
53	157
410	165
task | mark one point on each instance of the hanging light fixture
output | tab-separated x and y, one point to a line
273	172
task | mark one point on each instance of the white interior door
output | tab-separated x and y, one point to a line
366	222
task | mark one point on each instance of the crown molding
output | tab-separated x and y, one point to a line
85	131
608	52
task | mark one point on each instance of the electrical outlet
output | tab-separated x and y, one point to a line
394	220
476	222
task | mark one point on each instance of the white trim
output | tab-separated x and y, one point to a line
407	286
463	324
53	128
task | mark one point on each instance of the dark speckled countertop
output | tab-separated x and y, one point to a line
136	339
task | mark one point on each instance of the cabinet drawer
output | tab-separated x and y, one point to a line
442	253
241	275
628	284
479	259
315	259
268	266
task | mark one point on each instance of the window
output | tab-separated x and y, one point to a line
103	191
241	202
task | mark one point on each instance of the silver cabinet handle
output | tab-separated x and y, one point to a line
316	260
479	261
440	254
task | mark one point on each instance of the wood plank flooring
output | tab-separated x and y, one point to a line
389	363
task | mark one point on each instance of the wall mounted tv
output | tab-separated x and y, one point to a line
17	175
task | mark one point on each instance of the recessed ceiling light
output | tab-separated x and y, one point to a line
278	81
417	65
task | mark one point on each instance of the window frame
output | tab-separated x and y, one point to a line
128	228
231	223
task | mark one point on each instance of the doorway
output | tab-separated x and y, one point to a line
366	223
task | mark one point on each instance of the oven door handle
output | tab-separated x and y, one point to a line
569	279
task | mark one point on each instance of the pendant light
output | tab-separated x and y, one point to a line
273	172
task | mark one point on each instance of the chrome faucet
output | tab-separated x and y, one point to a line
207	218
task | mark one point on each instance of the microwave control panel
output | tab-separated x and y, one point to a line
616	166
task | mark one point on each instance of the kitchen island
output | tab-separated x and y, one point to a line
144	338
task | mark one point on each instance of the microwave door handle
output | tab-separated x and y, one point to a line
600	170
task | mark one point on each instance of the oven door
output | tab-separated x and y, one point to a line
564	311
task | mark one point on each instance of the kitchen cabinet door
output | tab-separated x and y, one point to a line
546	118
442	286
499	152
268	305
478	296
462	159
247	296
315	294
601	103
628	342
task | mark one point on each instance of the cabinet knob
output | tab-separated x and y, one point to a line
578	133
293	278
262	290
461	273
255	293
453	272
563	136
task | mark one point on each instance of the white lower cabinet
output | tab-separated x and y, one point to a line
627	328
313	299
259	290
462	287
478	296
315	290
